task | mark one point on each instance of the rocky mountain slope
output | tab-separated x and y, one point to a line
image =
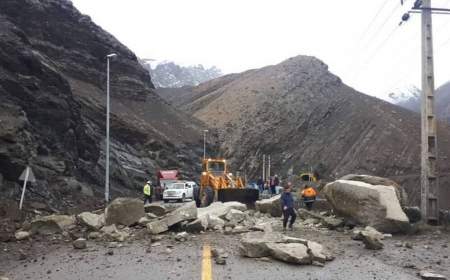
52	109
167	74
305	117
442	105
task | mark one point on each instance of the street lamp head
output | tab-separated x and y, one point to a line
111	55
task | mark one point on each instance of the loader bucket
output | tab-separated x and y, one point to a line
247	196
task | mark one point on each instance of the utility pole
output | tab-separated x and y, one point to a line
429	175
429	189
107	128
264	168
268	168
204	143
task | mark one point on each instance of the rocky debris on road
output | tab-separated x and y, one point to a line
185	213
155	209
219	256
80	243
91	220
271	205
311	217
124	211
181	236
374	205
431	276
52	224
111	232
20	235
197	225
281	247
220	209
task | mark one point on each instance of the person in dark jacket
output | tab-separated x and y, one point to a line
260	184
287	204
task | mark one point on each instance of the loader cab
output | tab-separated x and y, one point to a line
215	167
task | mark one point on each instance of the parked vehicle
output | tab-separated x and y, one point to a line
164	179
179	191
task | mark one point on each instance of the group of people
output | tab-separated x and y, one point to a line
308	195
270	185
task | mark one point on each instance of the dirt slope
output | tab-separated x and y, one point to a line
304	116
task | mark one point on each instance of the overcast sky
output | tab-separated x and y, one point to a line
359	40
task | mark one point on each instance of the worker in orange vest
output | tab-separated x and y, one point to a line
309	196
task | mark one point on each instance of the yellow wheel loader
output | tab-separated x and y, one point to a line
217	183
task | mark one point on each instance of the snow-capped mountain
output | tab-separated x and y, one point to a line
168	74
408	98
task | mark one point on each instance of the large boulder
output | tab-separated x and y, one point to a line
281	247
271	205
375	180
220	209
112	233
366	204
235	216
187	212
290	252
91	220
215	222
157	227
125	211
52	224
155	209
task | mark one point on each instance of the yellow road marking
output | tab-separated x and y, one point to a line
206	263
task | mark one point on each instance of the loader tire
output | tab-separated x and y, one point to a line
208	196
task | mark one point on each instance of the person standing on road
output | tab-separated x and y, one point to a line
309	196
287	204
148	192
260	184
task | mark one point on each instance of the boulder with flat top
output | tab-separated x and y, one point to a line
366	204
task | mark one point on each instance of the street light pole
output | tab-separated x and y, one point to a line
204	143
107	127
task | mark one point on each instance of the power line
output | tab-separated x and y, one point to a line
373	20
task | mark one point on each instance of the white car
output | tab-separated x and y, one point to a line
179	191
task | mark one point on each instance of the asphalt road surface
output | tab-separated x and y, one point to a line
168	259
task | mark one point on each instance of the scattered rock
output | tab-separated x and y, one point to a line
52	224
198	225
187	212
110	252
215	222
155	209
431	276
374	205
20	235
22	255
182	236
92	221
144	221
80	243
235	216
94	235
220	261
332	222
271	206
157	227
124	211
290	252
372	240
112	233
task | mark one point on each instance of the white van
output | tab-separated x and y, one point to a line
179	191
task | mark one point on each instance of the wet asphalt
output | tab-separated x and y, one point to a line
168	259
